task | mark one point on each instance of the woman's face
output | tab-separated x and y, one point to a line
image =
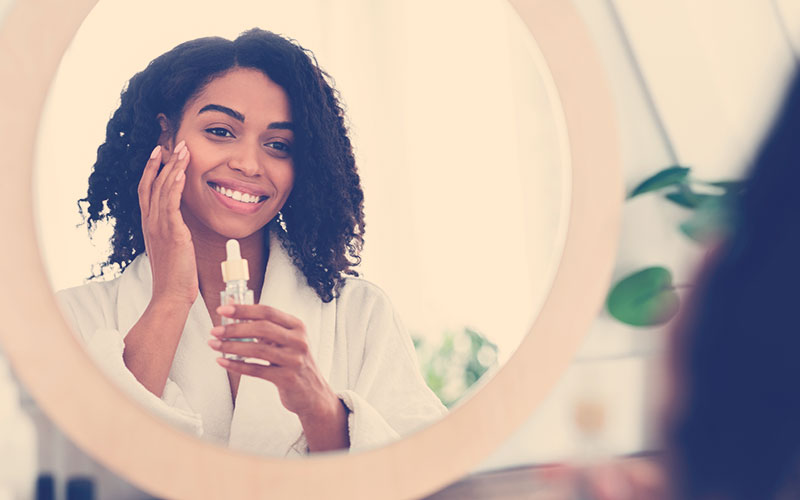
239	135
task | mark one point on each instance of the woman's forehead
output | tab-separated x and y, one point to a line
249	92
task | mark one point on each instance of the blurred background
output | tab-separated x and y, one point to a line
695	84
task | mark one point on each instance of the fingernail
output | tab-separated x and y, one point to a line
224	362
215	343
226	310
179	175
155	152
182	154
180	146
217	331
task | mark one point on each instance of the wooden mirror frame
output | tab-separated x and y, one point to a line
104	422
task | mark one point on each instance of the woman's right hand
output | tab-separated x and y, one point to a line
151	344
167	239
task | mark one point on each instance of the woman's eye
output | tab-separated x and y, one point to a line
219	132
279	146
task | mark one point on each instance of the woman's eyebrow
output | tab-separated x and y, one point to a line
281	126
222	109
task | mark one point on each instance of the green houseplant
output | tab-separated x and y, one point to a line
648	297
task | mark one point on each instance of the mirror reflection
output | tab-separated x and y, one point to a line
400	232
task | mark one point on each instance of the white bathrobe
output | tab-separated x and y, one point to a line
357	341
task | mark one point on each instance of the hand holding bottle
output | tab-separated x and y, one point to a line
281	341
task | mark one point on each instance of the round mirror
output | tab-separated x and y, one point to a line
589	203
460	143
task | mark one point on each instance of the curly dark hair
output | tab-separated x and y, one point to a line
322	224
735	433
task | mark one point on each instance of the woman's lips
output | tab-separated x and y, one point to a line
238	192
240	207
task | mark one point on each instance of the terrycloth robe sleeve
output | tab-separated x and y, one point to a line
90	310
387	397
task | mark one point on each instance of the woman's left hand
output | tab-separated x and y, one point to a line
281	341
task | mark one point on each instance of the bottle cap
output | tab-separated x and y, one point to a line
234	267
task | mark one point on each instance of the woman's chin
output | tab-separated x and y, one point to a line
232	233
227	230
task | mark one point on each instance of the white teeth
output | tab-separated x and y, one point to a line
237	195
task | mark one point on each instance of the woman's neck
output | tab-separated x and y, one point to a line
210	252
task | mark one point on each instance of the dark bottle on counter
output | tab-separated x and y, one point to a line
80	488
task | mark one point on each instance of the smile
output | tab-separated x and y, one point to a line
237	195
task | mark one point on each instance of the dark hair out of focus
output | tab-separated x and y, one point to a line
735	433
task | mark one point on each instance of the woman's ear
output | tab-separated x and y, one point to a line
165	139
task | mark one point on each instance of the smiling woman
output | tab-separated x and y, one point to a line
491	170
424	192
257	151
244	140
454	136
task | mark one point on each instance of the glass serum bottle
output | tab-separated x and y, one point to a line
235	275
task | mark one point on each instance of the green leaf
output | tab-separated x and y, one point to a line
703	229
710	222
680	198
478	340
689	199
448	369
731	186
665	178
644	298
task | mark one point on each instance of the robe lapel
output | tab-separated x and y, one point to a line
135	289
260	422
202	381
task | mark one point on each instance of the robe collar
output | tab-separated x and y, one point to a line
259	423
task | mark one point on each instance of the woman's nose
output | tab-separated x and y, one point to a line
245	160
